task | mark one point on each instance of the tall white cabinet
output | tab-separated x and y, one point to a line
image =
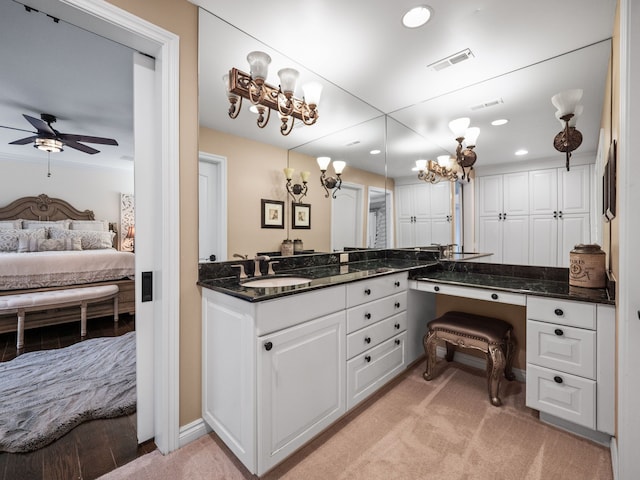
424	214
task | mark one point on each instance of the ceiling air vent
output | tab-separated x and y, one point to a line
489	103
351	144
451	60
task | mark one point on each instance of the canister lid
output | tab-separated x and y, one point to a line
592	248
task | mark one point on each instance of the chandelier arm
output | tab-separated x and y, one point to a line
262	122
288	104
252	87
234	110
286	126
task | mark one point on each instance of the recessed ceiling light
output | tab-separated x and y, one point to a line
522	151
501	121
374	152
416	17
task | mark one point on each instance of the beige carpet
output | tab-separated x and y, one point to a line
441	429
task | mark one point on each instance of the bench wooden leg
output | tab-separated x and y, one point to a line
511	348
83	319
495	370
115	309
20	333
429	342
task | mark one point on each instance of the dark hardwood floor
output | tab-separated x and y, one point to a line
92	448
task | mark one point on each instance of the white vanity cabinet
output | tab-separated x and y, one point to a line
570	362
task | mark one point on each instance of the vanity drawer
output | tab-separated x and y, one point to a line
374	288
566	349
375	334
561	394
498	296
564	312
372	312
372	369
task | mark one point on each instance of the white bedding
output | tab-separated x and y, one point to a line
61	268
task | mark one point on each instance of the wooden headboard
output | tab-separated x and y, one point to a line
43	208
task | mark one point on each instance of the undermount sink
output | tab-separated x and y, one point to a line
276	282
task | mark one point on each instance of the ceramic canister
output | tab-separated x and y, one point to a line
286	248
587	266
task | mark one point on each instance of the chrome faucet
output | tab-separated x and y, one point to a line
257	260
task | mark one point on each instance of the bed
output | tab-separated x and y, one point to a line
58	246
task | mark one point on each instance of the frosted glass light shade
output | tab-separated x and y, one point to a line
444	161
459	126
288	79
259	65
471	136
421	165
338	166
567	101
225	81
312	91
305	176
288	173
323	162
574	119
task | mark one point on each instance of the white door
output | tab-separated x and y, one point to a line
441	231
572	230
543	191
515	188
515	240
573	189
490	237
543	250
406	237
441	199
346	218
490	196
212	208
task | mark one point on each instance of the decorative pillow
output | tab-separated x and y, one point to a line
11	225
47	224
58	244
93	225
10	239
89	240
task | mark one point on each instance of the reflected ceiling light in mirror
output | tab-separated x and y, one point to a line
416	16
465	156
501	121
330	184
521	152
296	191
264	97
567	112
375	152
433	172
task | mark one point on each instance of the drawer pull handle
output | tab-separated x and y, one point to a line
557	379
367	291
397	325
368	358
397	284
397	304
367	316
436	288
558	312
558	332
268	346
397	341
494	296
367	339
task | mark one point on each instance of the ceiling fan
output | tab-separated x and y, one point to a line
51	140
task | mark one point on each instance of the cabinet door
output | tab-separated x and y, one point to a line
405	233
490	237
515	240
543	245
543	191
572	230
301	385
515	187
441	200
404	201
441	231
573	189
490	195
422	232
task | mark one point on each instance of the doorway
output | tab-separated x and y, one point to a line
380	226
212	208
346	217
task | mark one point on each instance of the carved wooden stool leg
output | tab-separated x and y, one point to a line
511	348
450	351
497	370
429	342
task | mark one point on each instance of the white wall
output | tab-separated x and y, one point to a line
85	187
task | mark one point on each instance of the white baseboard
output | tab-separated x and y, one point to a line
192	431
477	362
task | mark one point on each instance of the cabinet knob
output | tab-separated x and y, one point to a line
494	296
557	379
560	214
367	316
367	291
558	332
397	304
558	312
397	325
367	339
499	216
268	346
555	214
436	288
397	284
397	341
367	358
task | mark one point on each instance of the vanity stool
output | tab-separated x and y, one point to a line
490	335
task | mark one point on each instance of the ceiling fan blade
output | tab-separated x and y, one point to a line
87	139
23	141
40	125
18	129
81	147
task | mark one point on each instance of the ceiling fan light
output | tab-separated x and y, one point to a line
567	100
459	126
50	145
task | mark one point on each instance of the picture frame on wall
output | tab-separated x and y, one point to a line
300	215
272	213
609	184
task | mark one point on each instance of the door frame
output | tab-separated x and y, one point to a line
388	206
221	199
111	22
359	189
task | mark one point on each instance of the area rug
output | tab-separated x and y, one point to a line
44	394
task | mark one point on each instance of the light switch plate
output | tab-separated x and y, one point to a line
344	257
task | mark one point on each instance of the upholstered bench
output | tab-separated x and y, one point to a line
489	335
21	303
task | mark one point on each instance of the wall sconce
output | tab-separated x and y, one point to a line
265	97
131	234
432	172
330	183
296	190
568	111
465	157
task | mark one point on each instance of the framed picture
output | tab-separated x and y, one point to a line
300	215
609	184
272	213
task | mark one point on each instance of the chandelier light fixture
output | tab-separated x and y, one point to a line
465	156
568	111
296	190
433	172
331	185
265	97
